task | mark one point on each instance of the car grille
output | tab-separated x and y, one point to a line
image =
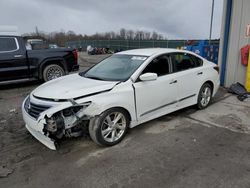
34	110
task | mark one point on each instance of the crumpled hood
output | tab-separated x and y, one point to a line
71	86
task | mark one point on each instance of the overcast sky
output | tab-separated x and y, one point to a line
183	19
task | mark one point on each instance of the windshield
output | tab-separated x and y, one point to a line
115	68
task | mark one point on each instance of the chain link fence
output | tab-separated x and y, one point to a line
131	44
126	44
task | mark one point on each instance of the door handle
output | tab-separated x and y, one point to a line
18	55
173	82
199	73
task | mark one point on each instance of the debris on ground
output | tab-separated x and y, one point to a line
4	172
239	90
3	121
13	110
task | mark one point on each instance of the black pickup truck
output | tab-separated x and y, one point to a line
18	63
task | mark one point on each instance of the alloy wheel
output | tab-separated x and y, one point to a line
113	127
54	72
205	96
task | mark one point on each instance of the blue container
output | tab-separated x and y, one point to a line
202	48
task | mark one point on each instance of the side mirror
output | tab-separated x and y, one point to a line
148	76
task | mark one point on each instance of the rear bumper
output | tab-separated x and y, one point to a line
75	68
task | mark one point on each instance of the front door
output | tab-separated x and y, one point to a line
157	97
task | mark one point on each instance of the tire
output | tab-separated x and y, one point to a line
104	132
205	96
52	71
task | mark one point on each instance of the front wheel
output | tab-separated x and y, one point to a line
52	71
205	96
110	128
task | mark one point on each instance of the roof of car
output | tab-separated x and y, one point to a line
9	30
150	51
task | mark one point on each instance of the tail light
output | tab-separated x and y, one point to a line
217	68
75	55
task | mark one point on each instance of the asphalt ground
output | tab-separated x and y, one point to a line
187	148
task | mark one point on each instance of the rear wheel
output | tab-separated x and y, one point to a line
205	96
110	128
52	71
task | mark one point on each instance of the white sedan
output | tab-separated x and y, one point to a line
121	92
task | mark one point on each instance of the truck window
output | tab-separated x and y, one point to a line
7	44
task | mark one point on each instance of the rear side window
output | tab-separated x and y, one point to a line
198	61
184	61
7	44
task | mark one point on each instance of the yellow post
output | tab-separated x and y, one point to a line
248	74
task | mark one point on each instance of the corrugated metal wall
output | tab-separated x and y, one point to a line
240	17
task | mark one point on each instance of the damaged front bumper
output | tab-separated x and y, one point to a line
36	129
42	138
46	128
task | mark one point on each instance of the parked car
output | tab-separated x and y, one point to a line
16	62
121	92
51	46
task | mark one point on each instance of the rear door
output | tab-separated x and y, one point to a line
157	97
13	63
189	74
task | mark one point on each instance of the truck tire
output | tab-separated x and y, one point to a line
110	127
52	71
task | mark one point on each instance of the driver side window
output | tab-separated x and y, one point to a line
159	65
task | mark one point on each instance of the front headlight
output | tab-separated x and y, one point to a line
75	109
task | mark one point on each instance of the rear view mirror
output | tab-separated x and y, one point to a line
148	76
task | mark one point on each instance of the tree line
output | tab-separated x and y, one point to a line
61	37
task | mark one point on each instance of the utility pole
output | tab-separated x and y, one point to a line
211	22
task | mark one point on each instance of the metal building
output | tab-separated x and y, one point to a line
235	20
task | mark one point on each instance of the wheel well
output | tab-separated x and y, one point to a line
211	84
129	116
50	62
